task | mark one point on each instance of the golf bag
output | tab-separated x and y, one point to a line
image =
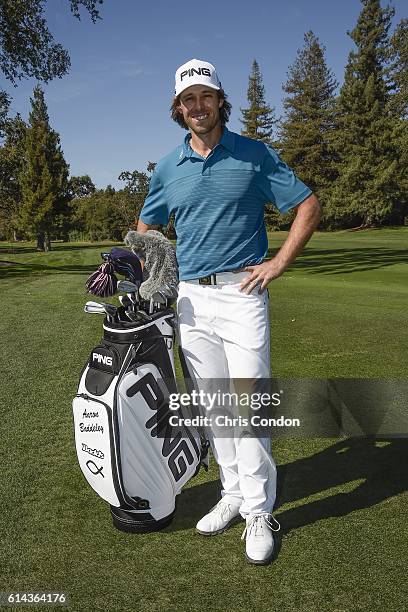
127	449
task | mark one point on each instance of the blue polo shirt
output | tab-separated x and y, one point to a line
218	202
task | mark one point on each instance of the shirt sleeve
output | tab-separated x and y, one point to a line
279	184
155	211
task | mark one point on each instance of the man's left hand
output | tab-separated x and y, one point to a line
261	275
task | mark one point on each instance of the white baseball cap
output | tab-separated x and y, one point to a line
196	72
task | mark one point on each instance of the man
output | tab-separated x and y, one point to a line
216	184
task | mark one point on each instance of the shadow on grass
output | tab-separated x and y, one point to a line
381	463
345	261
16	248
193	503
315	261
10	269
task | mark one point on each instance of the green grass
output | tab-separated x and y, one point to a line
341	310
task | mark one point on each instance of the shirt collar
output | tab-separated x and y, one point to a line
227	141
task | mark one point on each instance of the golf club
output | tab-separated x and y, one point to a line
132	291
102	308
157	300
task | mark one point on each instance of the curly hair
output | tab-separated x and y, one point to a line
225	110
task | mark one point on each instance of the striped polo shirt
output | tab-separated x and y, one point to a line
218	202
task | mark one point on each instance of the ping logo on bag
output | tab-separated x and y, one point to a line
102	359
175	448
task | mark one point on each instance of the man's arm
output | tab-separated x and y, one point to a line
308	215
142	228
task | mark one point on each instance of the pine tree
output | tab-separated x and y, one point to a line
4	109
368	190
11	164
44	180
398	107
398	72
258	119
306	132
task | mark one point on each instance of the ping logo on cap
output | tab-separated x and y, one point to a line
191	71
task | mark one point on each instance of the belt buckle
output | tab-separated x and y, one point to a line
205	280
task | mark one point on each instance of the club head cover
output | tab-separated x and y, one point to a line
127	263
103	281
160	260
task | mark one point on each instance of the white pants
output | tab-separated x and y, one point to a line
224	335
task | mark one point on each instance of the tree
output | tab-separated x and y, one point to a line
4	107
258	118
398	72
129	201
27	47
96	215
305	135
398	106
11	165
44	180
368	190
80	186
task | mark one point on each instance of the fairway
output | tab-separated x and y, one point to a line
339	311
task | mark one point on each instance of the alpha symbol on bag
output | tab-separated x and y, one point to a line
102	358
191	71
99	470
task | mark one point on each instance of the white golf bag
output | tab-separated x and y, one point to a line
127	449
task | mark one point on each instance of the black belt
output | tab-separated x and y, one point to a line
211	279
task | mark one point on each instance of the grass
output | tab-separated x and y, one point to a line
340	311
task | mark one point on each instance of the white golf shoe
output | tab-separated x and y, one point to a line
259	538
219	519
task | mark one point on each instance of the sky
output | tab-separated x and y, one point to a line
112	109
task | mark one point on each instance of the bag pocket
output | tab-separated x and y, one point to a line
104	364
95	447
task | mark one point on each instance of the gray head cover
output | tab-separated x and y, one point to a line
160	260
